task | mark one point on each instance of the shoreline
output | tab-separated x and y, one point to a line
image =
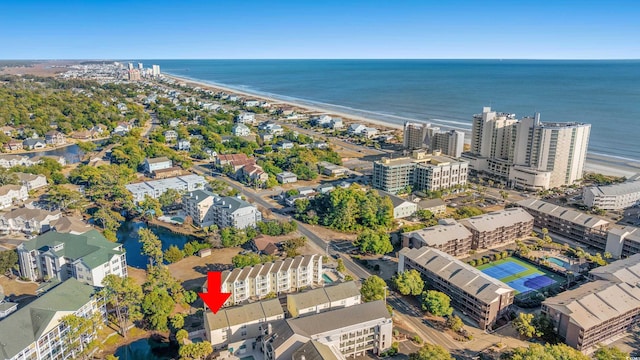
598	163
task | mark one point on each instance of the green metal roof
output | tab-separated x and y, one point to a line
93	248
21	328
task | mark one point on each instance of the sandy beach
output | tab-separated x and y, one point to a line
595	163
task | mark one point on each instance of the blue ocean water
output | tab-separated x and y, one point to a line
605	94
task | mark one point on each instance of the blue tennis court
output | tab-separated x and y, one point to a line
504	270
530	282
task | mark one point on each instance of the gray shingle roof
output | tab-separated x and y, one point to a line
244	314
578	218
626	270
498	219
440	234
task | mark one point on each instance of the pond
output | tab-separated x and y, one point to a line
71	153
128	235
147	349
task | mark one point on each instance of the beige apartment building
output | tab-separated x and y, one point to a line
448	236
594	313
584	228
421	171
323	299
281	276
483	298
499	227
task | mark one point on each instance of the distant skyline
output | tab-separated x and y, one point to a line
329	29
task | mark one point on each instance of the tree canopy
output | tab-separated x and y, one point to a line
409	283
373	288
437	303
431	352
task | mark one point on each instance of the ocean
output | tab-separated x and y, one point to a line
605	94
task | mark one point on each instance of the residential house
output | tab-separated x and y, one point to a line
155	188
70	225
9	161
323	299
266	244
254	174
152	164
246	118
99	130
238	328
271	128
346	332
82	135
265	136
7	130
55	138
284	145
36	332
281	276
88	257
436	206
240	129
483	298
237	161
13	145
174	123
122	128
401	207
319	145
184	145
369	132
207	208
30	221
251	103
322	120
356	129
330	169
34	144
9	194
286	177
336	123
170	135
448	236
31	181
325	188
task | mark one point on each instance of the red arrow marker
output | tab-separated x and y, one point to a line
215	298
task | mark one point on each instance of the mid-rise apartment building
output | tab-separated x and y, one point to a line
623	241
155	188
584	228
87	257
207	208
421	171
612	197
499	227
594	313
448	236
239	327
450	143
323	299
483	298
34	332
527	152
348	331
280	276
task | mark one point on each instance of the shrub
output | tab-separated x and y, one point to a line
417	339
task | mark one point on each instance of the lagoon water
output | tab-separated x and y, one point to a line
605	94
128	235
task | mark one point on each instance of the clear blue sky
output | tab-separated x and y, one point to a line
233	29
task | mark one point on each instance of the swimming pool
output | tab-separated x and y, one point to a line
558	262
327	279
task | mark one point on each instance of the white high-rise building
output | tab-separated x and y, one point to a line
140	66
155	70
130	66
418	136
449	143
528	153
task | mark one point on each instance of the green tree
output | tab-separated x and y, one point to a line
177	321
292	245
409	283
375	242
181	336
151	245
7	177
78	327
424	214
109	220
454	323
373	288
150	207
340	267
524	325
610	353
86	146
169	197
111	357
173	254
124	295
157	305
431	352
249	259
437	303
547	352
195	351
8	260
65	198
